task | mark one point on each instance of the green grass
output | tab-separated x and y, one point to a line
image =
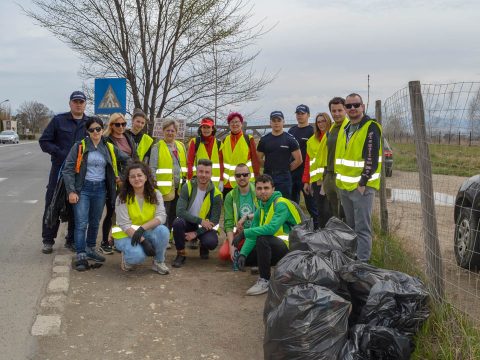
447	334
446	159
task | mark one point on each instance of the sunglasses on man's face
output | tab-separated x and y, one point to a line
242	175
123	124
97	129
354	105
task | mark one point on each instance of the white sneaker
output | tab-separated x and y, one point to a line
160	267
260	287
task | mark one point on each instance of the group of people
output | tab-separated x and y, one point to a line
154	192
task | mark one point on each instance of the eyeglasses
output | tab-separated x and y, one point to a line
354	105
242	175
123	124
92	130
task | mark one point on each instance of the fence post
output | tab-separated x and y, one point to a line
432	246
383	185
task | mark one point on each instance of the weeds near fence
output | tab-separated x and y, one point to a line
448	334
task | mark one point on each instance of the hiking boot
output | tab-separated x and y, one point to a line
124	265
106	249
69	246
203	253
260	287
160	267
81	264
93	255
179	261
193	244
47	248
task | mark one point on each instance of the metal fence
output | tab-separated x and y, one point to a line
422	210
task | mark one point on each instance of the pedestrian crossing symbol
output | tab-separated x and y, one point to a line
110	95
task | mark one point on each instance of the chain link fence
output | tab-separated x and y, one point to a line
434	133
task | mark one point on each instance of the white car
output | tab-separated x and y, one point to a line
9	137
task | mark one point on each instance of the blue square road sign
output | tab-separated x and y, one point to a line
110	95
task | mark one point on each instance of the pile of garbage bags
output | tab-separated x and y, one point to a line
322	304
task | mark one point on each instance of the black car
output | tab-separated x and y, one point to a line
466	216
387	158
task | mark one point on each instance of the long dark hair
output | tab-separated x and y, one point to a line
127	194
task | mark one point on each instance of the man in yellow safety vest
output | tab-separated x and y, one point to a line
144	141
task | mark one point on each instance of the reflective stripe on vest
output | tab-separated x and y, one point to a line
281	232
164	172
202	153
313	151
349	161
143	146
231	158
137	216
206	205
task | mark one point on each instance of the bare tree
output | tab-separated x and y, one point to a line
186	57
474	113
33	116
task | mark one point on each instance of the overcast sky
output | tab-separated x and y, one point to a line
320	48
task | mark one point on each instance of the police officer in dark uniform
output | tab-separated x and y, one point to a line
57	139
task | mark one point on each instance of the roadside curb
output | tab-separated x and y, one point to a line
48	321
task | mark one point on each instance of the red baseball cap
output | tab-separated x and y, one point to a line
207	121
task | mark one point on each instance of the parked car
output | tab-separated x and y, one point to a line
9	137
466	216
387	158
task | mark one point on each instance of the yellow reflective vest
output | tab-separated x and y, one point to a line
204	212
281	233
202	153
349	161
323	148
143	146
231	158
137	215
314	154
164	172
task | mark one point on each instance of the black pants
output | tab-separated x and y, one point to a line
50	233
208	240
323	207
171	210
311	202
107	222
270	249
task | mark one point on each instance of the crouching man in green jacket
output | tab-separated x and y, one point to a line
271	224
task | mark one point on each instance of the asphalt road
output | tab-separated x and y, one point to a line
25	270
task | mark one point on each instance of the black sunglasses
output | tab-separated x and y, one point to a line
242	175
354	105
92	130
120	124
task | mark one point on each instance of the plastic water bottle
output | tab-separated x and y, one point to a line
236	254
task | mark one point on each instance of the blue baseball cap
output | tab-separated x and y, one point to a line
304	109
78	95
276	114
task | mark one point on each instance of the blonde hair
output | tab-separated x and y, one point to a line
327	118
113	119
169	122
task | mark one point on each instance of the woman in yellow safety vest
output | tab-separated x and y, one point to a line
314	165
140	214
90	174
206	146
168	162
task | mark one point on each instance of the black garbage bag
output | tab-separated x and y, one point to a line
369	342
296	268
403	307
311	322
58	208
398	300
335	236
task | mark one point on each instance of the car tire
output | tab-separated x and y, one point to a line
388	172
467	240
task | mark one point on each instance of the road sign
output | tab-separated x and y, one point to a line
110	96
158	131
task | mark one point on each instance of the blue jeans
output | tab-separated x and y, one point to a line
88	212
158	236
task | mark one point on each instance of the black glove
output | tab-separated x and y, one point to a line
237	238
241	262
137	236
148	247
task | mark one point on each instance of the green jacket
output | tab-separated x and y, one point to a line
281	216
185	202
233	197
